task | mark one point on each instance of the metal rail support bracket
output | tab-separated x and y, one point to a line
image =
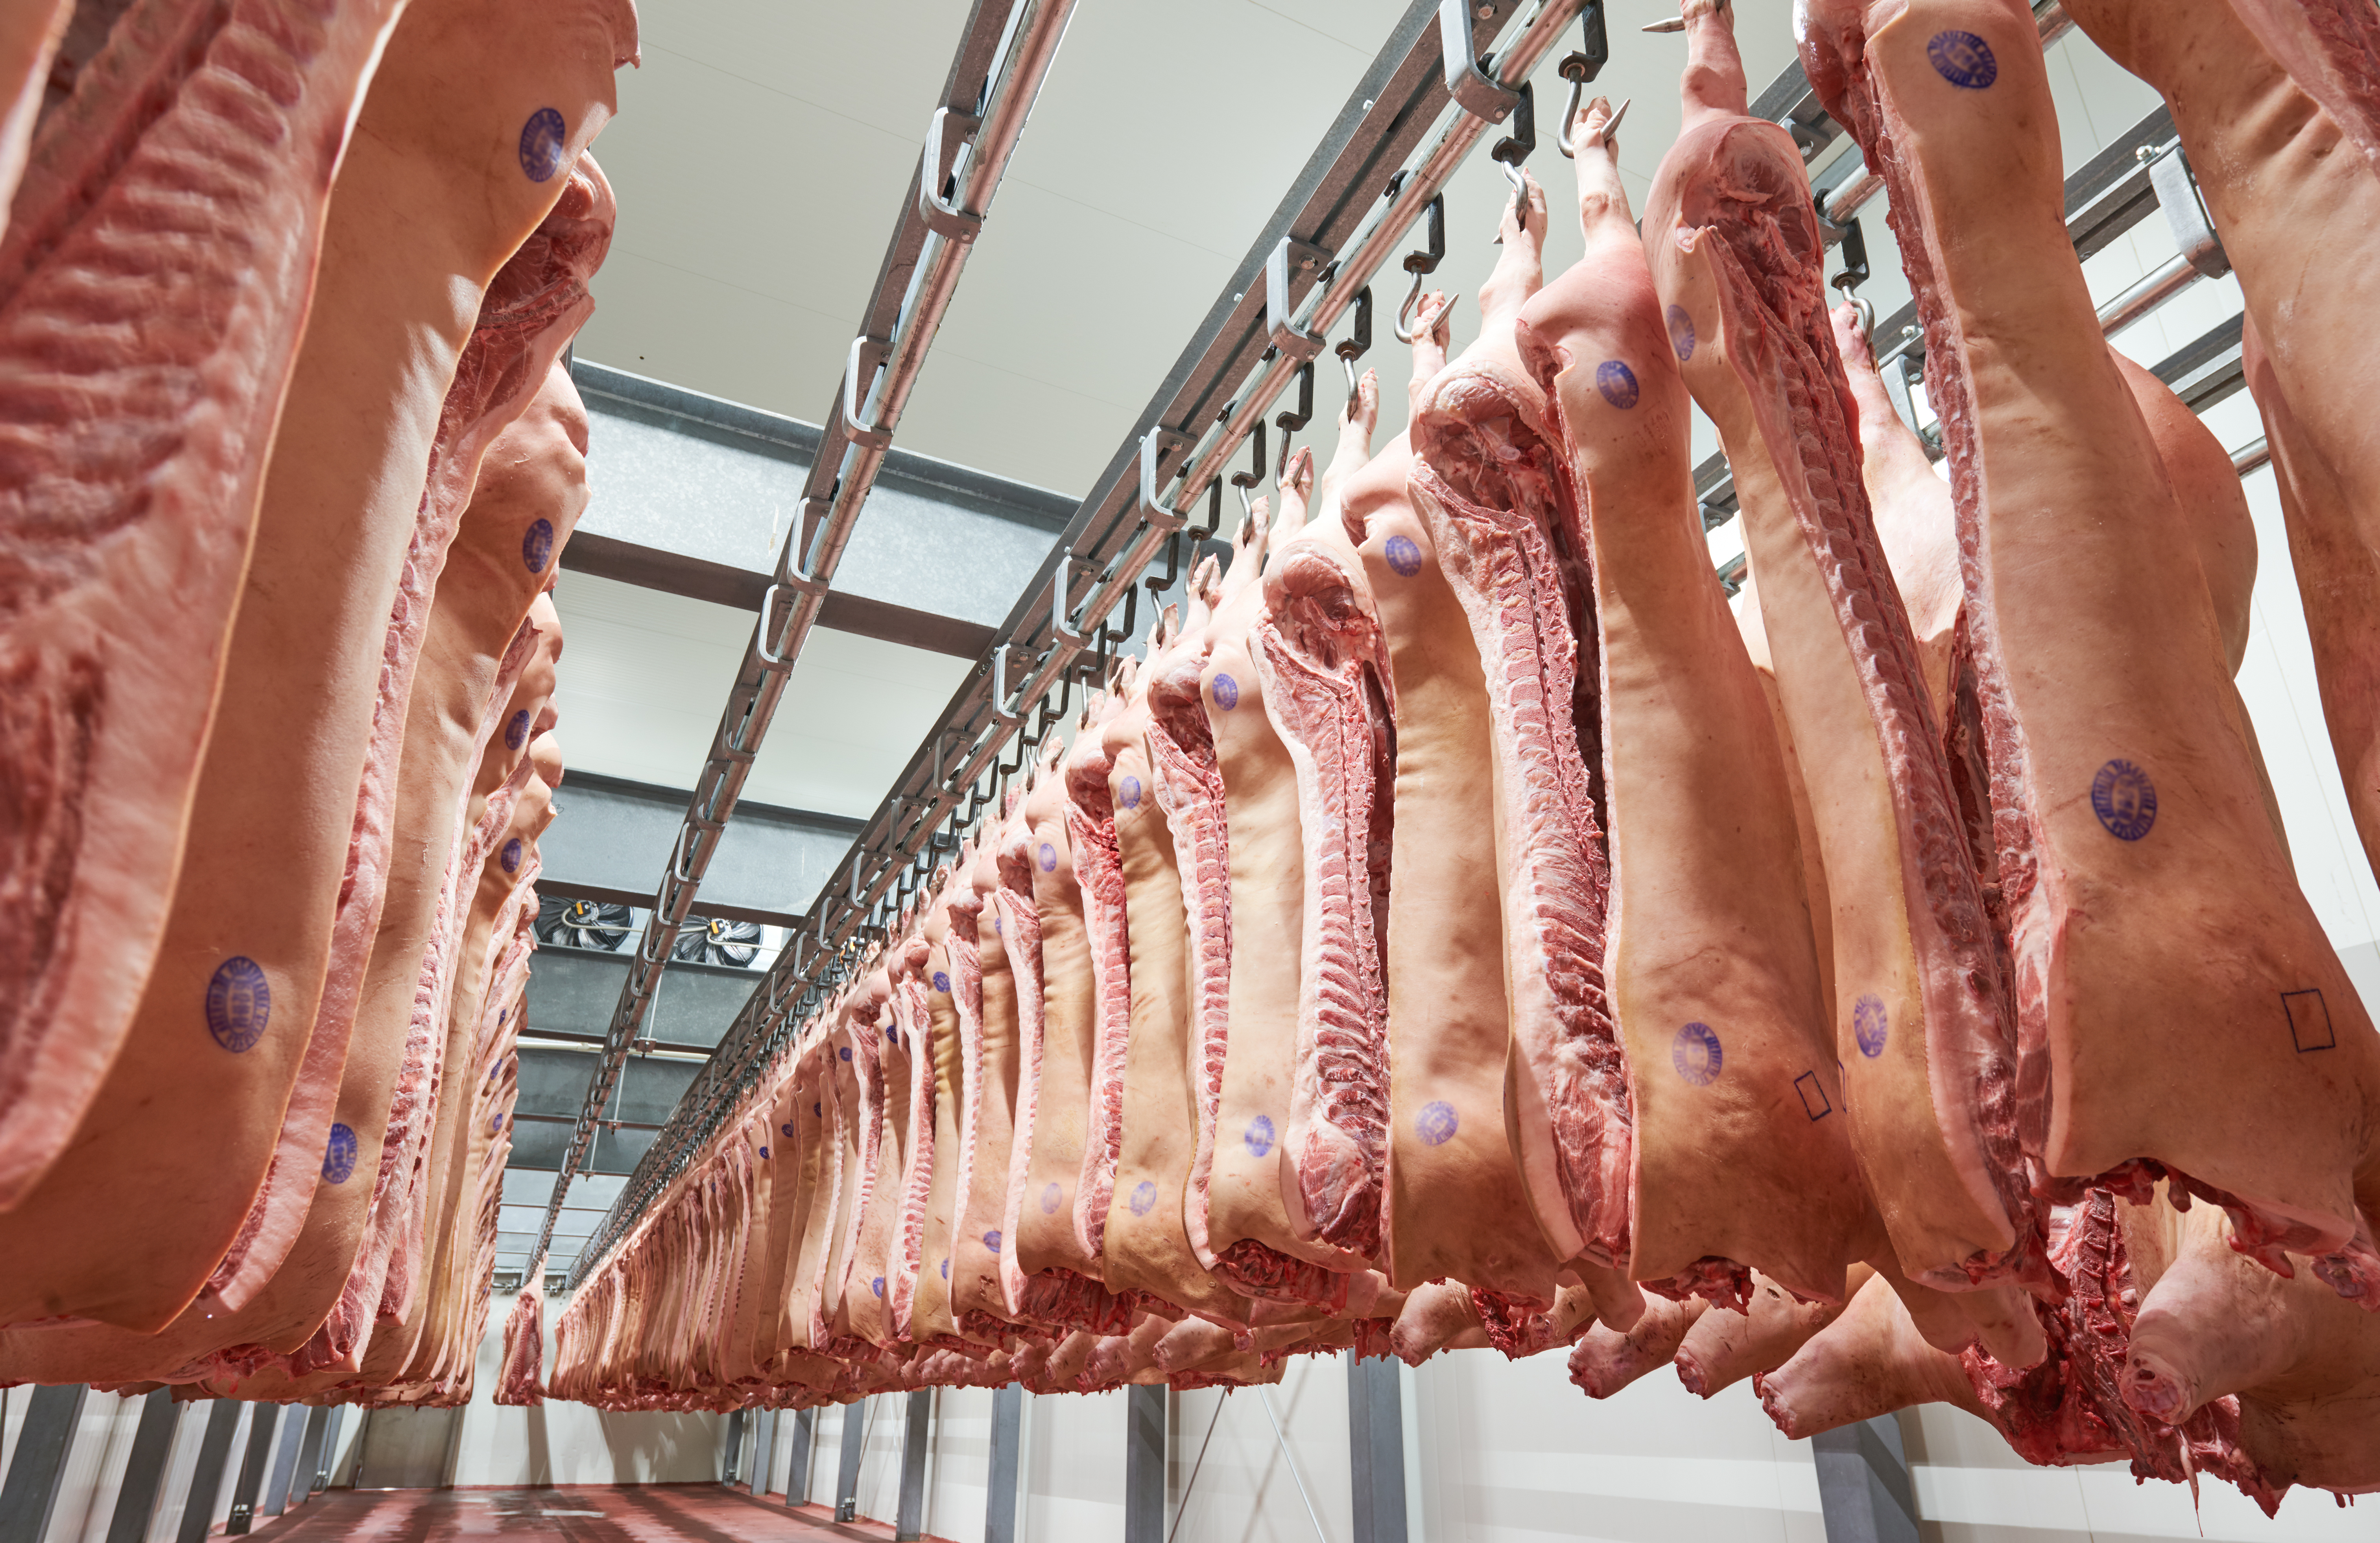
310	1455
31	1491
859	372
943	215
1377	1448
1864	1488
1477	93
1144	1465
855	1445
798	1462
144	1474
1000	1478
909	1522
251	1469
1155	446
1291	259
2185	213
206	1480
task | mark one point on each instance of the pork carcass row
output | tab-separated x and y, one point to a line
922	1151
1740	1158
1920	1029
932	1321
1318	651
1238	1179
1090	817
2296	207
1049	1276
135	455
1457	1208
1147	1244
2179	1008
420	224
1488	482
882	1062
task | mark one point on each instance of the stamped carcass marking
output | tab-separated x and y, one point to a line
1869	1025
542	139
516	730
512	856
991	1240
1618	384
845	1052
1226	692
1696	1054
1131	793
2310	1027
498	1123
947	1270
1963	59
2124	799
537	545
1682	333
1144	1196
1435	1123
1049	1195
239	1003
942	981
1815	1102
787	1130
339	1157
1404	558
877	1285
1049	859
1259	1135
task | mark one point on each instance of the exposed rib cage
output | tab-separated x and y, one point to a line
1099	869
967	1002
1323	663
1190	791
868	1072
1502	564
1770	282
1020	933
918	1032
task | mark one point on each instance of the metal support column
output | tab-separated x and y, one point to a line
310	1455
909	1522
284	1462
144	1474
1863	1487
329	1447
764	1450
1144	1465
999	1478
1375	1443
32	1488
206	1480
798	1463
251	1469
847	1478
732	1463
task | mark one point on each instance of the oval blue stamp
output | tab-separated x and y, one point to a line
877	1285
516	730
1131	793
1049	1198
816	1109
498	1123
1696	1055
1963	59
2124	799
339	1156
891	1035
1404	558
239	1003
787	1130
1868	1026
942	981
1143	1195
764	1152
537	546
542	139
991	1240
845	1052
1259	1135
947	1270
1682	333
1435	1123
1616	381
1227	693
512	856
999	926
1049	859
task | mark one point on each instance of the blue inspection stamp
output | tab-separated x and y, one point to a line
991	1240
1049	1195
2124	799
1131	790
1869	1025
844	1052
1682	333
339	1156
942	981
947	1270
1696	1054
1403	555
511	855
1815	1102
239	1003
787	1130
516	730
1435	1123
537	545
1618	384
1227	693
543	137
1259	1135
1049	859
817	1110
497	1125
2309	1026
877	1285
1963	59
1144	1198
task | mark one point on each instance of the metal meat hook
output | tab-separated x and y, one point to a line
1580	69
1357	344
1610	129
1421	264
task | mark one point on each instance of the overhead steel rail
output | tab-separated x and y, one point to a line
1432	92
1005	53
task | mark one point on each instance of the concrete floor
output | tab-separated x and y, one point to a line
582	1514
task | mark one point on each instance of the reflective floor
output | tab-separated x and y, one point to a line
585	1514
